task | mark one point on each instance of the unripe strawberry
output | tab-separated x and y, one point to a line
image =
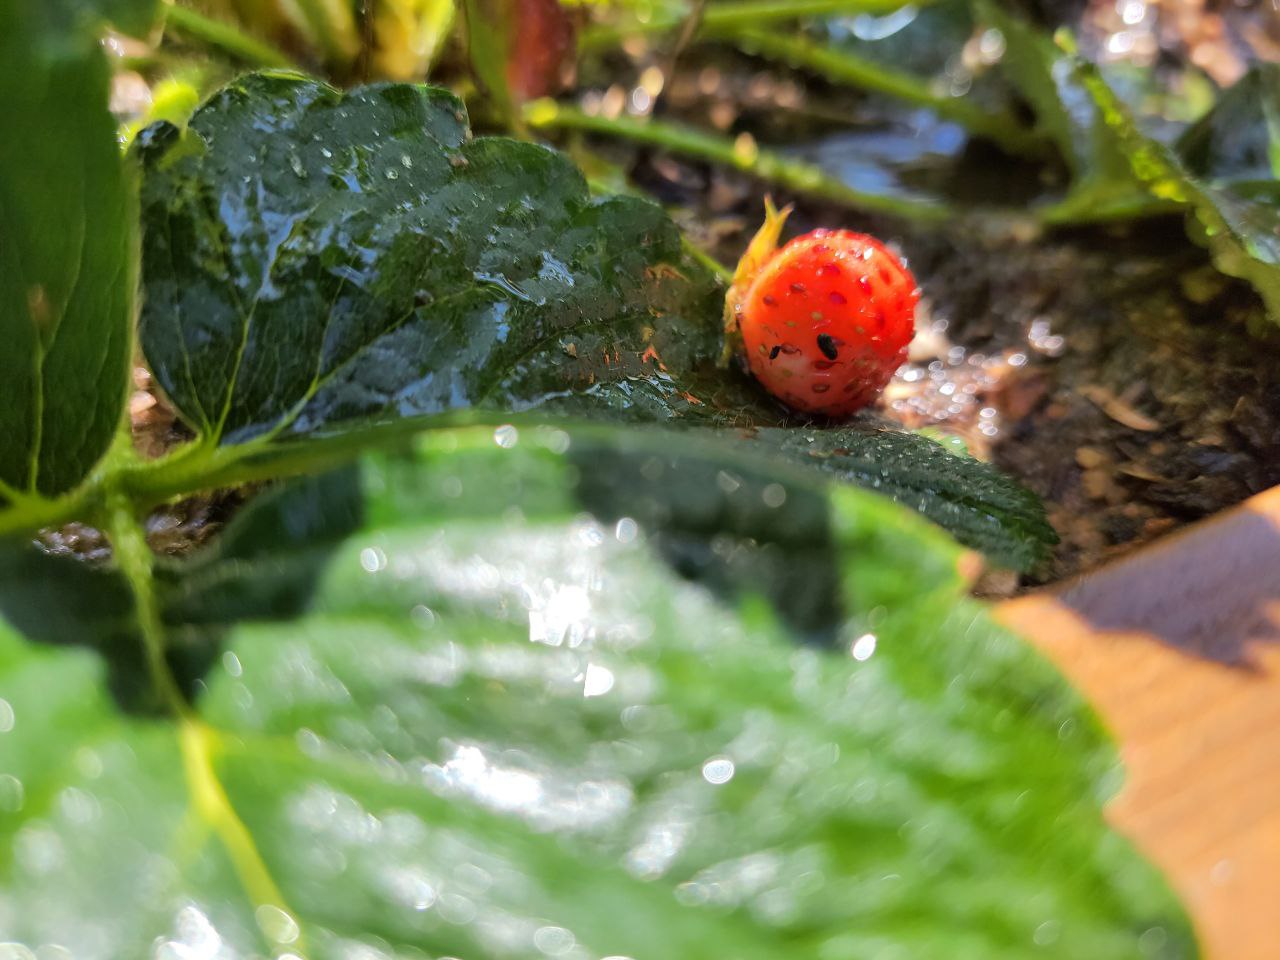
824	321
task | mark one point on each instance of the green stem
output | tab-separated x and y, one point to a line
848	68
745	156
744	13
708	261
28	514
224	37
135	559
333	27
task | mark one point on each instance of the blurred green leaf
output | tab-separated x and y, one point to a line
1102	184
449	711
68	250
1241	231
487	45
1239	139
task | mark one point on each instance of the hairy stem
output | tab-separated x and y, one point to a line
848	68
738	14
741	154
135	560
224	37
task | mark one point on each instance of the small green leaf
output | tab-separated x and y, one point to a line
472	700
67	251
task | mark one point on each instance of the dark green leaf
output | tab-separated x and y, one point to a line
67	251
313	260
488	724
973	501
1239	139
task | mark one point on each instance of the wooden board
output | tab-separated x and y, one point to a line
1178	648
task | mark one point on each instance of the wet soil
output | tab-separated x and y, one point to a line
1154	409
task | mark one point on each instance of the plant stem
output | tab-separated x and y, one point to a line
743	13
134	559
708	261
333	27
848	68
741	154
225	37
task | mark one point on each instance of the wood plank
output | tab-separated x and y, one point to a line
1178	648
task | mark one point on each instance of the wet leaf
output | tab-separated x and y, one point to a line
314	260
1102	184
317	264
1240	228
452	712
1238	141
67	254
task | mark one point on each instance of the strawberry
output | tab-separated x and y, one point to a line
824	321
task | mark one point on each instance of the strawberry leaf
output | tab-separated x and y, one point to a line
443	708
68	250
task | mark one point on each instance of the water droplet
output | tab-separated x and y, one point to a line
372	559
718	770
727	482
423	616
12	795
296	163
276	925
231	664
392	173
774	495
1152	941
406	161
6	716
596	680
554	941
326	153
1047	933
863	647
506	436
626	530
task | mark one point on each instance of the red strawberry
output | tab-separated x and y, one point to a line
826	320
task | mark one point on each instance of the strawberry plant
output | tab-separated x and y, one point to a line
548	635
